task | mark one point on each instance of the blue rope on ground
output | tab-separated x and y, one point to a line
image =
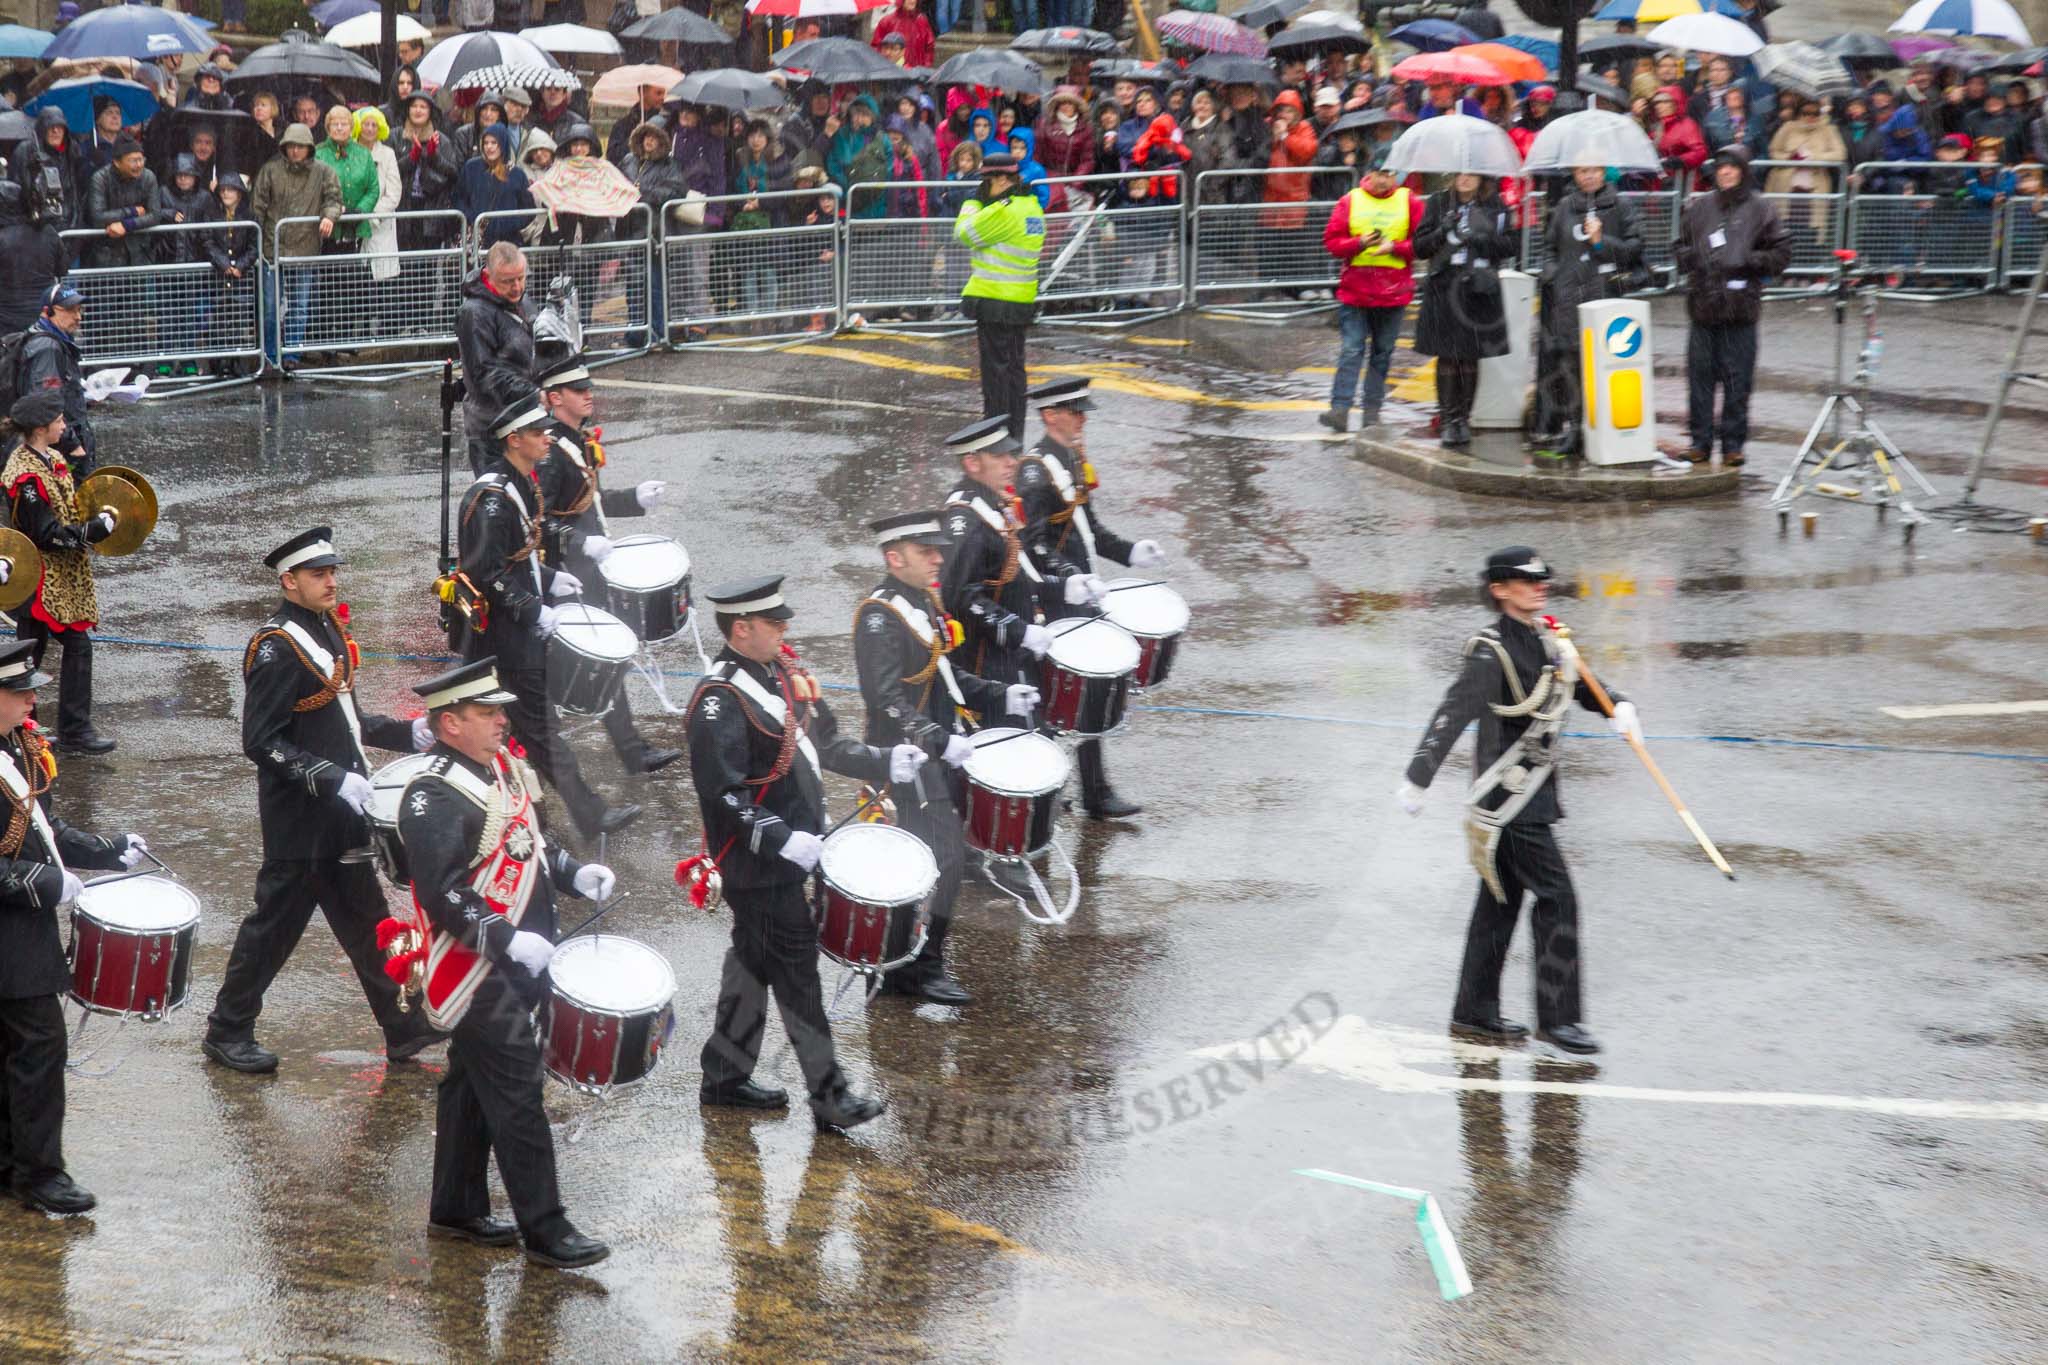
1765	741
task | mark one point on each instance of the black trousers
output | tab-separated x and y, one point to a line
74	675
627	741
1094	776
1724	355
1002	370
1528	860
937	822
490	1103
536	726
287	894
32	1050
774	949
1457	384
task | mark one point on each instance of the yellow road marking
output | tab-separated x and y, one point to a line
1158	341
1099	373
1418	386
706	391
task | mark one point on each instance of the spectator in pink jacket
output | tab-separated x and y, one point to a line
1680	143
908	20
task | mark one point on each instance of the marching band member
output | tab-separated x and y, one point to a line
500	531
484	878
914	695
65	607
1064	535
303	731
35	882
760	735
990	586
1518	683
578	520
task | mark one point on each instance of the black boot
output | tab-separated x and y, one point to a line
845	1110
1098	798
241	1054
485	1231
56	1193
1570	1037
567	1250
743	1095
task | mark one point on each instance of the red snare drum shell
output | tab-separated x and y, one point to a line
132	946
854	932
583	1045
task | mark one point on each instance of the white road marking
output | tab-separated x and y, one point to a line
1390	1059
1965	708
704	391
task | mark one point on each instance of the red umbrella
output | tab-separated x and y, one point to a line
1440	68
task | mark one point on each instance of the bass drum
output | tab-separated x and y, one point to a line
589	656
648	581
387	785
1156	617
610	1010
1014	779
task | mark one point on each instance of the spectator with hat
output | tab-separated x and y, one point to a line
293	186
123	202
50	363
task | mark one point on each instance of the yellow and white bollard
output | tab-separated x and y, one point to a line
1619	425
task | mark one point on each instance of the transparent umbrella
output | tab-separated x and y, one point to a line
1593	137
1454	144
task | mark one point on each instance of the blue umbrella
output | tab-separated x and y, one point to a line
18	41
1542	49
1434	35
143	32
1626	9
328	13
76	98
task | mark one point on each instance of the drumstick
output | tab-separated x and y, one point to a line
1126	587
602	911
873	797
134	872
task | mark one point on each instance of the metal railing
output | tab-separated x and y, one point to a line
753	279
1938	235
1249	255
1657	218
1815	216
341	303
179	312
613	277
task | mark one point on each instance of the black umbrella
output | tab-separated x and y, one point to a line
1597	88
1619	47
679	26
838	61
1223	68
2016	62
1321	32
1130	69
1862	51
15	126
1087	41
1358	120
242	144
297	57
727	88
995	68
1266	13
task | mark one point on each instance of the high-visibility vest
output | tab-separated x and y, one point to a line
1003	240
1389	215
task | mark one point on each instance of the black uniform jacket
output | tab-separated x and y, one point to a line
32	958
569	480
301	756
992	617
502	556
1050	534
889	650
1478	686
734	737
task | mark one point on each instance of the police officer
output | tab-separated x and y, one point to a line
914	695
484	874
578	525
500	551
1064	534
1518	683
1003	228
303	731
35	882
990	585
760	735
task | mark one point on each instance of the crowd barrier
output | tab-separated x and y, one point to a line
1117	249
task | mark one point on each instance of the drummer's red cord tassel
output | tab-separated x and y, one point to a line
700	880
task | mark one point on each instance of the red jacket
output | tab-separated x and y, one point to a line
1066	154
1373	286
918	43
1297	148
1680	139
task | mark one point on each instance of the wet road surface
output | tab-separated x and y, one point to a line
1093	1162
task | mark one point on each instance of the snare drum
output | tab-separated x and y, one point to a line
649	582
869	871
1156	617
611	1007
131	946
1013	791
1087	675
588	659
387	785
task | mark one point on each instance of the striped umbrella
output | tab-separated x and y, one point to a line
1804	68
1655	11
1209	33
1978	18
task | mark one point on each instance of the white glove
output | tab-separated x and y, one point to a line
803	849
904	761
649	493
566	584
531	951
550	621
594	882
133	854
355	790
6	571
959	748
1037	639
598	548
1411	798
1020	699
1624	721
73	889
1077	591
106	520
1146	554
422	734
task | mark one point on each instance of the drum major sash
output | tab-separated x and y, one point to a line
509	857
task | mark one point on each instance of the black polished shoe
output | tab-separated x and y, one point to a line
616	818
1502	1030
1570	1037
568	1251
56	1194
87	742
940	988
485	1231
1107	805
845	1110
654	760
744	1095
243	1054
409	1049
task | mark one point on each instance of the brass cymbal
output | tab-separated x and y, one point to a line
142	485
134	514
24	568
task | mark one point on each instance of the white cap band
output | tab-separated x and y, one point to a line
486	687
532	417
773	599
911	528
304	553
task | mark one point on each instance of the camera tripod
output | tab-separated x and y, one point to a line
1866	466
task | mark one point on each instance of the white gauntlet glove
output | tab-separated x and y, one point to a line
135	852
594	882
73	889
598	548
649	493
959	748
531	951
566	584
803	849
422	734
1076	590
355	791
904	761
1411	797
550	621
1037	639
1020	700
1146	554
1625	722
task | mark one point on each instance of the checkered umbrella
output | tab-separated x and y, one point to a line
516	73
1804	68
1209	33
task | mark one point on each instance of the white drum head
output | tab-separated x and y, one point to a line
613	974
645	563
148	905
595	634
1093	647
1152	611
1028	766
879	864
388	784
